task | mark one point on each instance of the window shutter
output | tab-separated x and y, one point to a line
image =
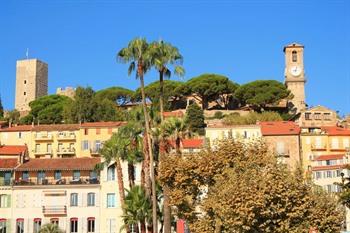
8	200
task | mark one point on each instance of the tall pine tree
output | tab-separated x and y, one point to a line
1	109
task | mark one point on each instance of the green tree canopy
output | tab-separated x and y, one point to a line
240	187
261	92
251	118
118	95
172	91
195	119
210	87
47	109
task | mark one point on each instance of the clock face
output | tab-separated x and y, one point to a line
295	70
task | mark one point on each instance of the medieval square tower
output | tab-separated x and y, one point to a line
295	75
31	83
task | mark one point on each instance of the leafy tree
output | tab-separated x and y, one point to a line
195	119
240	187
171	91
47	109
1	109
162	56
13	117
118	95
106	110
137	54
261	92
210	87
137	209
251	118
50	228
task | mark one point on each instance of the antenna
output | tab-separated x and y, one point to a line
27	53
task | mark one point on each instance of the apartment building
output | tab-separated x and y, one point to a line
323	141
282	138
318	116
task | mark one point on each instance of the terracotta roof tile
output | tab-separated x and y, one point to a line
19	128
329	157
12	150
269	128
173	114
103	124
59	164
330	167
8	164
336	131
189	143
63	127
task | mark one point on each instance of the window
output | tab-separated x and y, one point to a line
54	221
91	199
5	201
318	175
318	143
317	116
346	143
19	134
20	225
98	145
58	175
24	93
328	162
308	116
73	225
280	148
25	175
111	225
335	143
37	225
110	200
25	82
294	56
93	175
327	116
98	131
86	131
41	176
7	178
37	147
111	173
329	174
91	225
73	199
85	145
3	226
329	188
76	175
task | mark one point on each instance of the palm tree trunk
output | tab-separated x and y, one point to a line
131	174
145	175
166	210
161	94
120	185
143	227
149	142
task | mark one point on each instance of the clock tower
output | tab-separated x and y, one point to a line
294	76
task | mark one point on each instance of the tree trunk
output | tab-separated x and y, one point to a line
143	227
121	185
166	210
146	167
161	94
149	142
131	174
177	145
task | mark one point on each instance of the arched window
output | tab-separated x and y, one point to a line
111	173
294	56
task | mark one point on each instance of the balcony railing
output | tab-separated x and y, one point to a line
5	182
282	153
66	136
43	137
320	147
52	181
66	151
95	151
42	152
54	210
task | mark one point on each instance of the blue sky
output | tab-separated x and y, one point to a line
241	39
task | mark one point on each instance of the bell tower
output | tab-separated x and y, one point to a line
295	76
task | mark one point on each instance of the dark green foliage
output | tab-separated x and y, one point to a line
261	92
1	109
251	118
172	90
106	110
195	119
118	95
13	117
210	87
218	115
47	110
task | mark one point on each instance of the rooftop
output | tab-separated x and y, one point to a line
173	114
63	127
12	150
103	124
19	128
8	164
190	143
270	128
336	131
67	164
329	157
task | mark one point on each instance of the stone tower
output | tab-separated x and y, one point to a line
295	76
31	83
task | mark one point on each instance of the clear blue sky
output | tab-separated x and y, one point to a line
240	39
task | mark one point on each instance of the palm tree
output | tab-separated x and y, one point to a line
137	54
137	209
50	228
164	54
111	153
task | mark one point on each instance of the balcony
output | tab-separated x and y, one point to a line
95	151
66	151
49	211
43	137
282	153
51	181
66	137
42	152
321	147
